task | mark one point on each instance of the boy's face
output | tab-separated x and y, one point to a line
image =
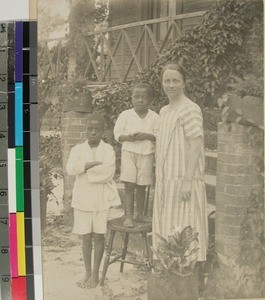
95	131
140	99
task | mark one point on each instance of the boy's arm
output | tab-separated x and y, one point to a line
104	172
92	164
126	138
74	165
119	130
141	136
151	136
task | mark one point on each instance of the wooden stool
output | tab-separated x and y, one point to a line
116	225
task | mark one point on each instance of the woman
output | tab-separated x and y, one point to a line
180	198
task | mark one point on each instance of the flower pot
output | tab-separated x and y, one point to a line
43	210
172	287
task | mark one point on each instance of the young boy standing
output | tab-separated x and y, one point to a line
93	164
136	129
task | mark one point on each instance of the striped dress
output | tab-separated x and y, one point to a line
177	127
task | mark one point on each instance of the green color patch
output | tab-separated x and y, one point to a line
19	179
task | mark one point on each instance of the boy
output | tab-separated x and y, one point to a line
93	164
136	129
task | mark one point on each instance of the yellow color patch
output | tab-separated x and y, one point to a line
21	244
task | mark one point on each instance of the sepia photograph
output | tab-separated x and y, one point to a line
151	149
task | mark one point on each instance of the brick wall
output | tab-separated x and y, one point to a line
73	133
237	176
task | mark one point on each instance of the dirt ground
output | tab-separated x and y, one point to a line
63	264
63	267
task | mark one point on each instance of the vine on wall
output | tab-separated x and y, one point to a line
213	54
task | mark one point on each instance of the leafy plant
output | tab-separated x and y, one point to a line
101	11
249	85
176	255
50	162
251	262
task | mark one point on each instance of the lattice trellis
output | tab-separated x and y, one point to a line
132	50
53	59
117	53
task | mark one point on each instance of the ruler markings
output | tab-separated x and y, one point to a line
19	193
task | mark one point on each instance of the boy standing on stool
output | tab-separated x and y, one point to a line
136	129
93	164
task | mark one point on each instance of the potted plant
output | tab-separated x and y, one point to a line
174	276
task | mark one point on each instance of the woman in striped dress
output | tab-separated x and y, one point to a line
180	197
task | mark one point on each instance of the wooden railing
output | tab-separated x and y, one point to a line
119	53
53	58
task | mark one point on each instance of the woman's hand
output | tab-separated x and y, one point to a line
185	191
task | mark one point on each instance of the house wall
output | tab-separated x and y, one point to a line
124	12
129	11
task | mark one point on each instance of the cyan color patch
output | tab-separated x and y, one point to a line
18	114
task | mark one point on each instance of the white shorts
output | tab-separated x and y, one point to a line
137	168
90	221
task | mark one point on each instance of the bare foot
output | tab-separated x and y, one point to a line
82	283
92	282
128	222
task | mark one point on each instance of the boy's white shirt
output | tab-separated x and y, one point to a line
129	122
94	190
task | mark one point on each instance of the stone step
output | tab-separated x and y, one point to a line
210	185
210	180
210	208
211	154
210	162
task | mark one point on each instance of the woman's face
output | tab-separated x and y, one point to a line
173	83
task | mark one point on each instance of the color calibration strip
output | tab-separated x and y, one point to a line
20	260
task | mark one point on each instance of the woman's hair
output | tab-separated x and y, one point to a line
174	67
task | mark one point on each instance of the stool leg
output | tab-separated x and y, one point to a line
107	258
124	250
147	252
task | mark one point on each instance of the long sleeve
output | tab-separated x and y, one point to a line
105	172
120	125
75	165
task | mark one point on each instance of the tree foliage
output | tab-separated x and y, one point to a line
84	17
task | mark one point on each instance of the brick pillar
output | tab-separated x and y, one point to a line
237	176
